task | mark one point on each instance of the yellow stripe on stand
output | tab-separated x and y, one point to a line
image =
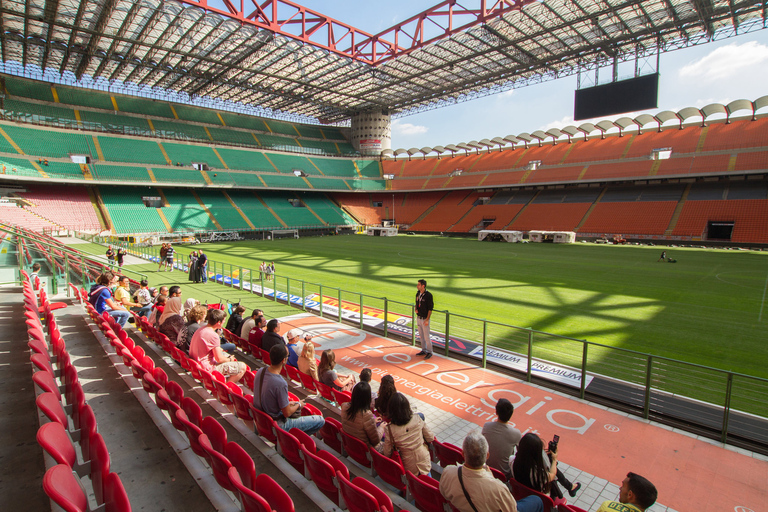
221	119
114	103
167	158
39	169
10	141
97	145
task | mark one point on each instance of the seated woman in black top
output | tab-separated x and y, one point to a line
537	469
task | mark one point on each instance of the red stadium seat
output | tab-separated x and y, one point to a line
215	432
385	504
219	463
448	454
243	409
305	439
193	433
356	449
61	486
308	382
242	462
290	447
323	472
265	425
389	470
357	499
51	407
56	442
115	497
330	433
520	491
325	392
425	490
192	410
45	382
341	397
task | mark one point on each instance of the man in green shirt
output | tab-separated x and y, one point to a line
635	495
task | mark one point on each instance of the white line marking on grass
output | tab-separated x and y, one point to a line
737	273
760	316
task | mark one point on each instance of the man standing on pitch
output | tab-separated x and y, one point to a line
424	306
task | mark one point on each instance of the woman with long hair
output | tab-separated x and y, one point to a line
408	434
307	362
537	469
328	375
357	419
386	390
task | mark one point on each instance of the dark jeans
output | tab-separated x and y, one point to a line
554	490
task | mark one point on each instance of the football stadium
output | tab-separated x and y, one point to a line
228	284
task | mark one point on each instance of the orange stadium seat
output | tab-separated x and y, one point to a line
550	217
637	218
750	216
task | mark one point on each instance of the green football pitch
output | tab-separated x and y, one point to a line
709	308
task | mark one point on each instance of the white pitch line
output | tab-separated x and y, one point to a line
765	288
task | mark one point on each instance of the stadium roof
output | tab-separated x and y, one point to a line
281	56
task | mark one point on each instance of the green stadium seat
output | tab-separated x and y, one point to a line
175	129
229	136
284	181
335	167
18	167
254	209
287	163
291	215
186	154
245	160
369	168
138	151
120	173
47	143
84	97
28	88
197	114
38	111
243	121
184	213
127	211
145	106
281	127
113	121
308	130
177	175
222	209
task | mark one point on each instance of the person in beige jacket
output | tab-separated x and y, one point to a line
357	419
408	434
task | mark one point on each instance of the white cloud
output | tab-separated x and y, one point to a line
400	128
559	123
726	62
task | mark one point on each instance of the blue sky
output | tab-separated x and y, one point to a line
717	72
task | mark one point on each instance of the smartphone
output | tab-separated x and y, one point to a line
556	439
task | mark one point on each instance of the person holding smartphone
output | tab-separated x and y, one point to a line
536	468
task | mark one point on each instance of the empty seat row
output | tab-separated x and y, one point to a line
70	420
